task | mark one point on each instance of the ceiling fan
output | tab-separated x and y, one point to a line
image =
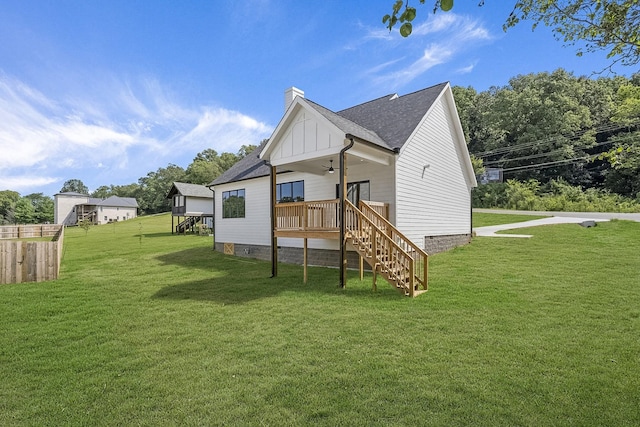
330	169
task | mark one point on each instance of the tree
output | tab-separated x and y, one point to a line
8	200
208	165
624	156
152	196
612	26
42	206
74	186
103	192
24	212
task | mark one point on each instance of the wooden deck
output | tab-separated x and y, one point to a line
368	230
318	219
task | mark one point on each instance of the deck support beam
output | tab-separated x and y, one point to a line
343	215
305	260
274	239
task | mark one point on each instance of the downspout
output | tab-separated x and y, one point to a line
274	240
213	218
343	247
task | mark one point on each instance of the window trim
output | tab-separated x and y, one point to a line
240	210
293	197
351	184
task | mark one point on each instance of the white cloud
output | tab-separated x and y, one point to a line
20	183
447	36
134	132
465	70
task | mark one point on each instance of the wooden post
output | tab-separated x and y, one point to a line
374	257
274	239
343	205
305	260
361	268
411	278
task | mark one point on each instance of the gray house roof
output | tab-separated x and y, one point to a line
113	201
386	122
120	202
189	190
251	166
394	118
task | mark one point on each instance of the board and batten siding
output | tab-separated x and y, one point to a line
306	137
199	204
432	201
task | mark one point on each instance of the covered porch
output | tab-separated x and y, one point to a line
353	221
318	219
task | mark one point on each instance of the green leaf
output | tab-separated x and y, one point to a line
405	29
446	5
385	18
410	14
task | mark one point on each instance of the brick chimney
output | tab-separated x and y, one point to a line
290	94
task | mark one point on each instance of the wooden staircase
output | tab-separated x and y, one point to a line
388	252
187	223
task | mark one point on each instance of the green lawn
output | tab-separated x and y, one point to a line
481	219
146	328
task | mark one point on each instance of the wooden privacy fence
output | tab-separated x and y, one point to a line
24	261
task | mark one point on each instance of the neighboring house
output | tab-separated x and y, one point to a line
405	154
71	208
193	203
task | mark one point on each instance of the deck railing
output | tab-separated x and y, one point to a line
320	215
420	267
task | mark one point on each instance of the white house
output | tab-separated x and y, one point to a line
70	208
193	203
406	155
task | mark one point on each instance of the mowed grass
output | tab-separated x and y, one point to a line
146	328
481	219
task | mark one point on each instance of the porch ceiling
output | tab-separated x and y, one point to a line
320	165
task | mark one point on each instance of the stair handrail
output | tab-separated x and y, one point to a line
398	258
421	257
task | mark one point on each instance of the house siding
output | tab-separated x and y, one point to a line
64	205
108	214
306	137
255	227
432	201
199	204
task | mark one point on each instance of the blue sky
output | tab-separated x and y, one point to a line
107	91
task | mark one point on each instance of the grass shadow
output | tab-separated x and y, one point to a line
237	280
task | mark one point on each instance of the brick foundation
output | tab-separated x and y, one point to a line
331	258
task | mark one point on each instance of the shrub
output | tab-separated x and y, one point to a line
557	195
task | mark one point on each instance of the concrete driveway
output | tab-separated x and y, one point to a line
552	218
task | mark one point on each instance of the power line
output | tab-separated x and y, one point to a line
548	153
610	127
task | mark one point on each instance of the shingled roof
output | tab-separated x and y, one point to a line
387	122
189	190
394	118
251	166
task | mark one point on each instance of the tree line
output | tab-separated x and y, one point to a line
548	126
150	191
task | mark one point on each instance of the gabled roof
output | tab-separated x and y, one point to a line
348	126
72	194
120	202
386	122
189	190
394	118
251	166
